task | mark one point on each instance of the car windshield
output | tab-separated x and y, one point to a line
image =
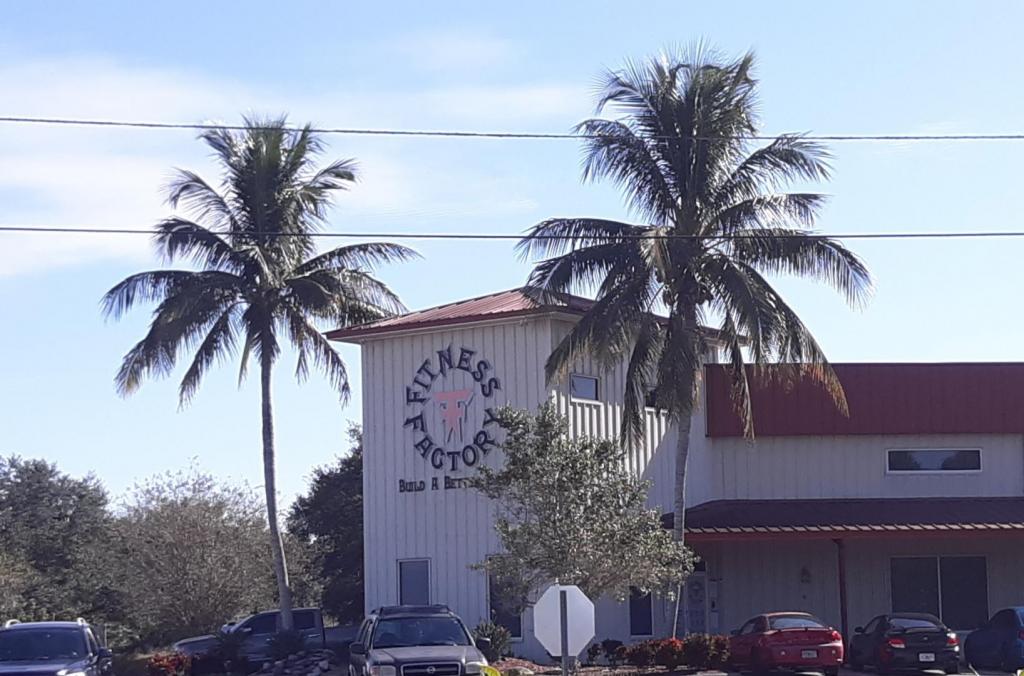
907	623
40	645
418	631
794	622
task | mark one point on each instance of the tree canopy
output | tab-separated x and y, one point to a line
328	521
569	510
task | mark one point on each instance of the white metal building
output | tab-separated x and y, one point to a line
913	502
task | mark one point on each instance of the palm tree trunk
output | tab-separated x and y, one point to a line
682	454
284	593
685	420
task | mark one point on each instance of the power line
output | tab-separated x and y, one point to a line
991	234
445	133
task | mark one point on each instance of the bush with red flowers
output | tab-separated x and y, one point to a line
668	653
169	664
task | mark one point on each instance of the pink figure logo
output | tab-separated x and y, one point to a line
454	409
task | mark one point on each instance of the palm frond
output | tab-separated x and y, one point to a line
612	150
365	255
144	287
678	365
559	235
739	383
219	343
766	211
311	344
787	159
641	375
179	238
807	255
189	190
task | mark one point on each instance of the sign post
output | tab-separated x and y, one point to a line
563	622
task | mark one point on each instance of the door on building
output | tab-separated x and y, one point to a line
953	588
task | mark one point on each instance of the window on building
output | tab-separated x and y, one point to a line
414	582
505	610
953	588
583	387
641	613
934	460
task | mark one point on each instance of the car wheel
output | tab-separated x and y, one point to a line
832	671
757	668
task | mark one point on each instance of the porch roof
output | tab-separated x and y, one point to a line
852	517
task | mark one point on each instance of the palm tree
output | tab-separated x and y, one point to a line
260	280
715	229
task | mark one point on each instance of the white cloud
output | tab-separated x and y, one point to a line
94	177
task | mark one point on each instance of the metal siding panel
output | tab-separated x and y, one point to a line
854	466
883	399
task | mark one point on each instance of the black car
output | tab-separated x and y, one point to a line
257	630
52	649
905	642
415	641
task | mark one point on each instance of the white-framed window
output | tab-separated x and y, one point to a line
932	460
641	613
414	582
583	387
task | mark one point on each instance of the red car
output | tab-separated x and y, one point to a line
795	641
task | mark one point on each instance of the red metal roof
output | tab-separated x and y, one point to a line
858	516
960	398
511	303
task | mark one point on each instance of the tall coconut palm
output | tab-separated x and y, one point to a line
714	230
260	281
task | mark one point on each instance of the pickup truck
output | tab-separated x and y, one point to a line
258	630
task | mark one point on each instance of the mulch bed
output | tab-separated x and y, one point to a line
583	670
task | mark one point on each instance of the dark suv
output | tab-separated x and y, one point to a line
415	641
51	649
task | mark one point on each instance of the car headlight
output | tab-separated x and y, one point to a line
476	667
382	670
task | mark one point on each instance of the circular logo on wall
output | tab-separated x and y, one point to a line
449	395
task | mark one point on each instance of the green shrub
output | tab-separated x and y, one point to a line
285	643
719	652
593	653
500	638
705	651
228	650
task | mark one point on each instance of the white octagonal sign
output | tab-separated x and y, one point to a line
547	619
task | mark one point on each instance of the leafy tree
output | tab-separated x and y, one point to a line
715	229
328	520
261	281
192	554
53	529
569	510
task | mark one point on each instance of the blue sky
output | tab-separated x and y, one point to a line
865	67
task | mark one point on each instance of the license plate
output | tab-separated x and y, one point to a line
926	657
808	654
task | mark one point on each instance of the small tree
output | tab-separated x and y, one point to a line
569	510
327	523
193	554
